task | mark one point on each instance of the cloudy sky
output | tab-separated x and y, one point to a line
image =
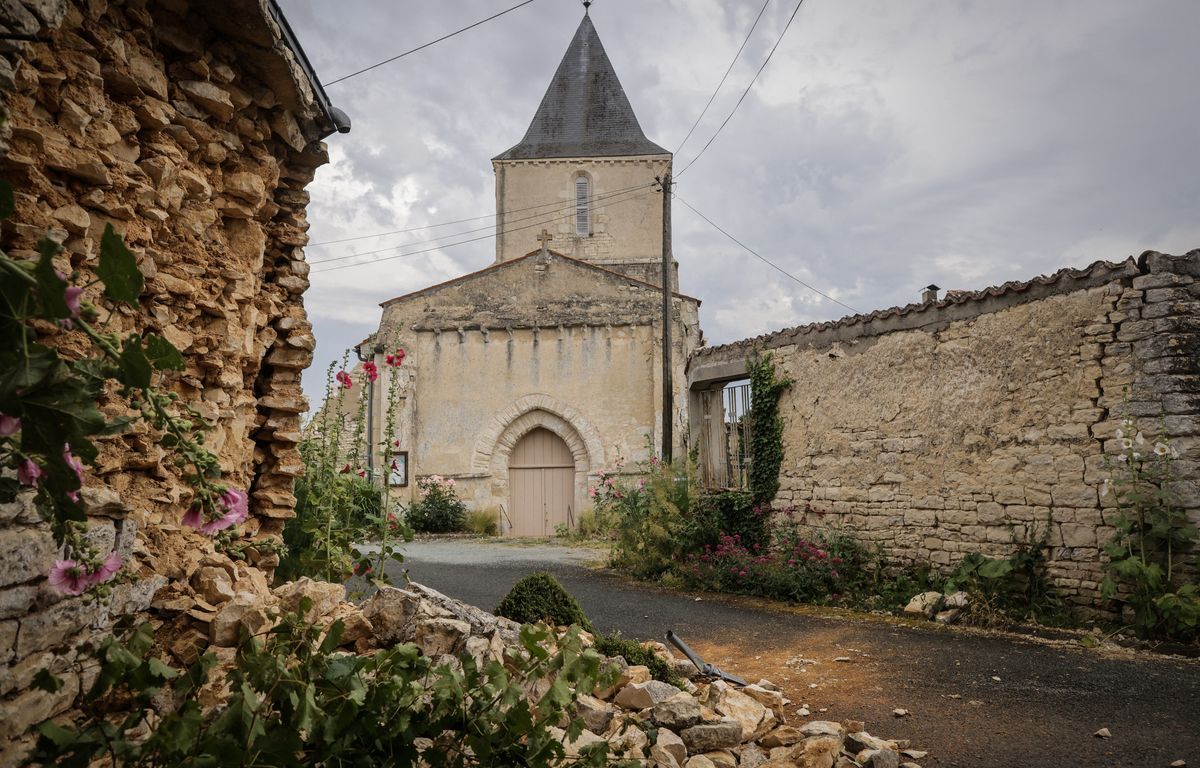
886	146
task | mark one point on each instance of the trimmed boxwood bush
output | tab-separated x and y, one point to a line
539	597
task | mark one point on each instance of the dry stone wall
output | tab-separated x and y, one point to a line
193	130
986	420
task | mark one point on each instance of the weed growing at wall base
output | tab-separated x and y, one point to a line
1153	553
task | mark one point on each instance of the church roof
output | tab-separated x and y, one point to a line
585	112
524	259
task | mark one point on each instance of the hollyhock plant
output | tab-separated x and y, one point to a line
9	425
344	379
371	370
73	296
107	569
234	507
28	472
69	577
394	360
74	463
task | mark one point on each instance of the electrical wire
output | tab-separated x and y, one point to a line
426	45
745	92
764	259
704	111
442	224
554	216
464	242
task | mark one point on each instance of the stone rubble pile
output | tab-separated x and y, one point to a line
709	724
944	609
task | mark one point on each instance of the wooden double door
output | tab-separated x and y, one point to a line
541	478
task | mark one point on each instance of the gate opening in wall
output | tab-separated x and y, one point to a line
724	435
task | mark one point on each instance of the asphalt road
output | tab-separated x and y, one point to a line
976	699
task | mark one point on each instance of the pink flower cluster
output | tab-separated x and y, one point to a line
371	370
395	359
72	577
9	425
234	507
344	379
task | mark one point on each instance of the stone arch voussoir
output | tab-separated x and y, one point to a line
497	440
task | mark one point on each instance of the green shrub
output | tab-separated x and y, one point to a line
294	699
633	652
485	522
539	597
439	510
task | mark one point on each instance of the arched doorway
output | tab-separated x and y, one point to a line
541	475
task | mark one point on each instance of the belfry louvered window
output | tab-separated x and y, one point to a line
582	199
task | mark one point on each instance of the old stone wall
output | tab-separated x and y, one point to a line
192	129
974	424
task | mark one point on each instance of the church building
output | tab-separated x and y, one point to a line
524	379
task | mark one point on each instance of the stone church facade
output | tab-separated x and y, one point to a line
524	379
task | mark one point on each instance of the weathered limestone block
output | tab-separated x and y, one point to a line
325	596
25	554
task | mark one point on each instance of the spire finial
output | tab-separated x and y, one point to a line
586	5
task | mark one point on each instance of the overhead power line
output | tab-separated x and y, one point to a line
559	203
742	47
426	45
742	98
464	242
764	259
553	215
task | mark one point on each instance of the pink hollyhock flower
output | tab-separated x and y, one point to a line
345	470
344	379
69	577
74	463
396	359
371	370
28	472
361	473
9	425
73	296
107	569
235	508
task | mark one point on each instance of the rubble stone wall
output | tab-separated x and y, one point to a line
191	128
987	420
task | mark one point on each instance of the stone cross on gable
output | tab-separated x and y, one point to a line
545	237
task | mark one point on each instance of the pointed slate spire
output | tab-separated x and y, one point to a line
585	112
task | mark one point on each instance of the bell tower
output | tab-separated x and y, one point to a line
584	172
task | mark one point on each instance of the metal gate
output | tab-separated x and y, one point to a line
541	477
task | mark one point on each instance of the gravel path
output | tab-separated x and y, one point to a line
976	699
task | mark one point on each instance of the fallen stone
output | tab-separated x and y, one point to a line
699	761
325	596
822	728
815	752
709	736
736	705
660	758
640	696
861	740
722	758
439	636
1103	733
213	584
596	714
925	604
245	611
878	758
783	736
670	742
900	712
678	712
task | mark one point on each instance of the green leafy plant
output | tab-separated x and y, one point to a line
539	597
633	652
1153	552
1013	588
292	699
766	431
338	502
439	510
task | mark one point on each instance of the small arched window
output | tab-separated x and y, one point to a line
582	202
